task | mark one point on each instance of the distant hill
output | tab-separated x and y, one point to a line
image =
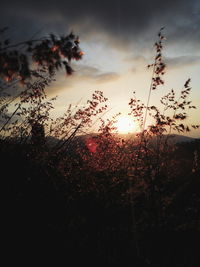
173	138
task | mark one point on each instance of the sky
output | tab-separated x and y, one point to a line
117	37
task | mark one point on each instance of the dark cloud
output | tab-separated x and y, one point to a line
182	61
82	73
123	20
86	71
94	74
139	63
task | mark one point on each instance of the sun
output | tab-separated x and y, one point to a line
125	125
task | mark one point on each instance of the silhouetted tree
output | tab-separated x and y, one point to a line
20	61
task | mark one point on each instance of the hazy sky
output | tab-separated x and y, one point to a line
117	37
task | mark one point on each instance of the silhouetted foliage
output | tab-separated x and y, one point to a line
97	199
48	53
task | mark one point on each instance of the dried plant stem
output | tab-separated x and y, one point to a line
149	96
13	114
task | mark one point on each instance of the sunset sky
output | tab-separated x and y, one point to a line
117	37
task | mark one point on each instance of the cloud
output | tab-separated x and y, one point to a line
123	21
107	77
94	74
139	63
182	61
127	25
83	73
86	71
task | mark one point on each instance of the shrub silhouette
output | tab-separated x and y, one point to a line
109	200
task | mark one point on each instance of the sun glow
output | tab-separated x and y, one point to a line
125	125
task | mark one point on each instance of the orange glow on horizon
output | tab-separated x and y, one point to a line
126	124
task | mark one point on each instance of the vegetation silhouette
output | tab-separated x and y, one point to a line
95	199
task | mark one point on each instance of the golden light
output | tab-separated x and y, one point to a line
125	124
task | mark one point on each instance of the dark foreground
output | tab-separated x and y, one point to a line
84	219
